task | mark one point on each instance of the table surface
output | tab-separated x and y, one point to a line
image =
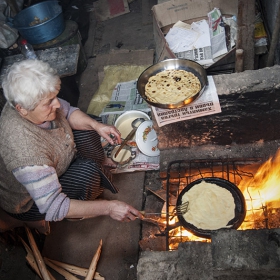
64	59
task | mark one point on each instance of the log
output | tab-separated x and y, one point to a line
246	28
92	268
75	269
70	268
239	61
31	260
274	40
37	256
67	275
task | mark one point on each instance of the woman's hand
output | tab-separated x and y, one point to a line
116	209
80	121
109	132
121	211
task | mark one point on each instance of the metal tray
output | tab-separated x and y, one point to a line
172	64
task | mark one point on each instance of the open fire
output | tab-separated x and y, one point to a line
258	181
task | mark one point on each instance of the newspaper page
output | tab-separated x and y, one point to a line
191	42
217	32
125	97
207	104
141	162
203	56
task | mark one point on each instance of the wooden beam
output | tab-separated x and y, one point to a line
245	35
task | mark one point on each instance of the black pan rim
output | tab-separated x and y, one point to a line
240	206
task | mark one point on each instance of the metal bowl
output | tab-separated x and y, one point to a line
172	64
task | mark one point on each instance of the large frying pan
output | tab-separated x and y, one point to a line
240	206
172	64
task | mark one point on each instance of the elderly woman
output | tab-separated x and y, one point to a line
50	152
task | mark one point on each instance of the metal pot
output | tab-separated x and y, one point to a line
50	22
125	156
240	205
172	64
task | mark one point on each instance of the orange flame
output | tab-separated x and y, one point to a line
262	190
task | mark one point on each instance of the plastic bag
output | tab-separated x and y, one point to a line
8	36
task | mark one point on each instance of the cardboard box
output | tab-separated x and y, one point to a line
166	14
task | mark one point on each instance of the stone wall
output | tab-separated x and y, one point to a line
232	255
250	104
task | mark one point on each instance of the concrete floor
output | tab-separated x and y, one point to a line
126	39
76	242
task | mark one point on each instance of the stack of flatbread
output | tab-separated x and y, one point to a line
172	86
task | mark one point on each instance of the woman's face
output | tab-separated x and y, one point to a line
45	110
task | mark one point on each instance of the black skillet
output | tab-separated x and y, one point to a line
240	206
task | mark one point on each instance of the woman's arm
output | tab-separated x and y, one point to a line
78	120
117	210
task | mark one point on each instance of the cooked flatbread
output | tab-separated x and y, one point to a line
210	206
172	86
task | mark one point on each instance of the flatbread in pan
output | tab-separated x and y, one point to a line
172	86
239	206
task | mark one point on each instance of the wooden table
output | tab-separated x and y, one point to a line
64	59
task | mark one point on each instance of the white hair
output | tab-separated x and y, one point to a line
28	82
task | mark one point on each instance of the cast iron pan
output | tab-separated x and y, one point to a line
240	206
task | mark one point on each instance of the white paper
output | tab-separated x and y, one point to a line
207	104
182	38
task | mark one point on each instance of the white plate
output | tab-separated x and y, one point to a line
146	139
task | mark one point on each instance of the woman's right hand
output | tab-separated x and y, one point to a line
122	211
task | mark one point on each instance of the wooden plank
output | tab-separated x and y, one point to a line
63	59
245	36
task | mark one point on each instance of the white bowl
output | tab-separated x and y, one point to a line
123	122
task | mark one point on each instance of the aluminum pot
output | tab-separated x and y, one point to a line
39	23
239	200
172	64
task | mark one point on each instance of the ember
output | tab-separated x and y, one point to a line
257	181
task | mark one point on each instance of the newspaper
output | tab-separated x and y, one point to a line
191	42
201	41
141	162
207	104
217	32
125	97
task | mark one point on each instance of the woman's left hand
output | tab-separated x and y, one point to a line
109	132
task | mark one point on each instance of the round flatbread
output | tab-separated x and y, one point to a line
210	207
172	86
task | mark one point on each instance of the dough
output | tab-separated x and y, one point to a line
172	86
211	207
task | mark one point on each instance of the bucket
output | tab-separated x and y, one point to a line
70	36
39	23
